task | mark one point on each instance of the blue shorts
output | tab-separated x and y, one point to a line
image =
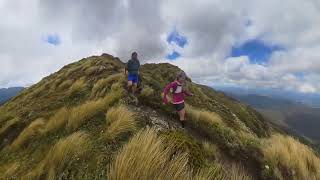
134	78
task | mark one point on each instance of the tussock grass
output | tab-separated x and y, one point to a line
202	115
184	143
4	116
236	172
114	78
146	91
212	126
289	156
77	86
8	124
34	129
213	172
146	157
99	87
65	84
91	70
119	120
82	113
11	172
61	155
209	148
102	85
58	120
73	118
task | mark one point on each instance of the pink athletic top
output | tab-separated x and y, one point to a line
178	92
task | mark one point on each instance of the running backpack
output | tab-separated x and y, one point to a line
178	89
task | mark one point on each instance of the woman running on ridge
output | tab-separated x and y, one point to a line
178	90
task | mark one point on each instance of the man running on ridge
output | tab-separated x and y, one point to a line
133	67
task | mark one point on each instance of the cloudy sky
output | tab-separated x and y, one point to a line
247	43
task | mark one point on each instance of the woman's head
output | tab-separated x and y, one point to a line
181	76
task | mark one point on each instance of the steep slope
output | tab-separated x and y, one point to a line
80	123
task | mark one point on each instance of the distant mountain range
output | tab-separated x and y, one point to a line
7	93
310	99
301	117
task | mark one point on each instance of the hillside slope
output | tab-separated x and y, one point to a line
80	123
302	119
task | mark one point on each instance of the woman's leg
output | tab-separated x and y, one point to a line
182	114
182	117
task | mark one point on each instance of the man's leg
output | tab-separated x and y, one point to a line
130	89
134	84
134	88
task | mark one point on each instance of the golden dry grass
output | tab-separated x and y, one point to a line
91	70
213	172
8	124
202	115
4	115
65	84
58	120
11	172
209	148
236	172
114	78
82	113
60	155
145	157
119	120
146	91
100	87
298	159
77	86
34	129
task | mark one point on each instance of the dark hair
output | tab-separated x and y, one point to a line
134	54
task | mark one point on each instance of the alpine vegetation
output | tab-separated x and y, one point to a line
90	120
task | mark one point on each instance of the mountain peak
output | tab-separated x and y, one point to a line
80	123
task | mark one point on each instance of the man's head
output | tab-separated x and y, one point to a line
134	55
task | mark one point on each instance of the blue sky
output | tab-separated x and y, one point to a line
175	37
258	51
174	55
53	39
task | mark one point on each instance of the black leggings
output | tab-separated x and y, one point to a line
179	107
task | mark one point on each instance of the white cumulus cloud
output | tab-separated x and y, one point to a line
118	27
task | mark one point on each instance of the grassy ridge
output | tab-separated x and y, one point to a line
79	123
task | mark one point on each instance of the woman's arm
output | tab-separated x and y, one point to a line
166	91
187	93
